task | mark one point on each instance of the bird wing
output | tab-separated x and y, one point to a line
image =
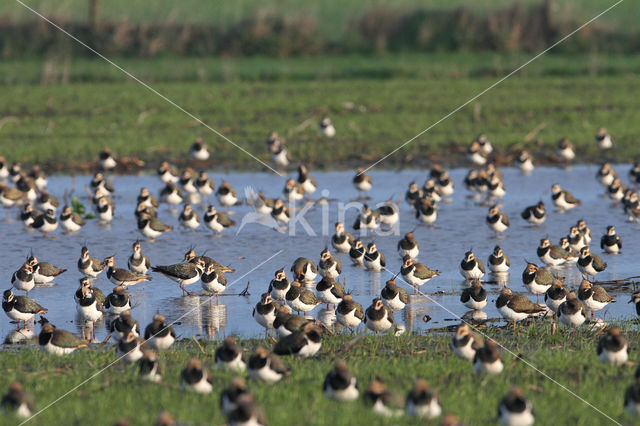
65	339
29	305
157	225
570	198
601	295
523	304
544	277
308	297
423	272
290	344
224	220
598	264
278	365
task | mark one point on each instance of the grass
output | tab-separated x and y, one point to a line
65	125
571	360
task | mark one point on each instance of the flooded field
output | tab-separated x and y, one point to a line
460	226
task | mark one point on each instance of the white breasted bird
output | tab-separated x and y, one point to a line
571	312
394	297
217	221
613	347
266	366
408	246
465	343
264	311
471	267
326	127
18	402
129	349
563	199
199	150
118	301
340	384
349	312
515	307
498	261
362	182
589	263
515	410
159	335
488	359
422	401
474	297
378	317
149	367
536	214
341	240
416	273
611	242
279	285
373	258
59	342
304	342
195	378
603	139
138	262
70	220
20	308
594	297
329	264
230	395
229	356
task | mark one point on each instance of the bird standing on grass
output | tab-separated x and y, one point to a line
340	384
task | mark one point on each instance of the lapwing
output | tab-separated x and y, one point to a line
367	219
90	266
45	223
341	240
204	184
555	295
23	279
86	282
515	410
300	299
279	285
422	401
189	218
195	378
123	324
382	400
340	384
100	184
471	267
635	299
498	261
356	253
329	291
613	348
571	312
280	212
105	209
15	170
266	366
293	191
363	183
551	254
606	174
89	307
106	159
575	239
563	199
524	161
168	173
388	214
573	254
326	127
138	262
230	395
377	317
565	150
589	263
616	190
488	358
199	150
349	312
59	342
584	231
159	335
373	258
226	195
474	297
70	220
445	184
171	194
279	152
28	215
118	301
264	311
217	221
152	227
304	270
190	256
304	342
426	211
413	194
611	242
213	281
18	402
329	265
247	412
286	323
394	297
408	246
47	201
129	349
416	273
28	188
475	154
20	308
497	189
229	356
515	307
10	196
182	273
149	367
603	139
537	280
44	272
305	180
123	277
262	204
465	343
536	214
594	297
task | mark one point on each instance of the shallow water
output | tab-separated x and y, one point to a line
460	226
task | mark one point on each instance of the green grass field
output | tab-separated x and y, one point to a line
571	360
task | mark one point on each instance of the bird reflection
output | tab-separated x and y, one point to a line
500	278
22	335
416	309
214	317
327	317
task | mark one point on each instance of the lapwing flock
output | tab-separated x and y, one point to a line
285	304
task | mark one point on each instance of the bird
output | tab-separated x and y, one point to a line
304	342
262	204
340	384
149	367
635	299
20	308
603	139
226	195
356	253
59	342
138	262
86	282
632	397
329	291
422	401
278	149
304	270
613	348
431	190
171	194
89	307
105	209
230	395
616	190
465	343
213	281
190	256
199	150
195	378
293	191
341	240
474	297
247	412
606	174
498	261
106	159
475	154
147	199
300	299
123	324
575	239
496	188
123	277
100	184
571	312
44	272
90	266
584	231
382	400
408	246
329	265
228	356
551	254
28	214
279	285
388	214
594	297
128	349
280	212
118	301
23	279
555	295
362	182
17	401
373	258
537	280
589	263
393	297
524	161
536	214
305	180
565	150
611	242
70	220
204	184
326	127
367	219
573	254
413	194
445	183
515	308
286	322
45	223
515	410
416	273
217	221
168	173
159	335
563	199
349	313
426	211
265	311
152	227
182	273
488	358
266	366
377	317
471	267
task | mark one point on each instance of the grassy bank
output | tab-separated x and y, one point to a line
65	125
571	360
